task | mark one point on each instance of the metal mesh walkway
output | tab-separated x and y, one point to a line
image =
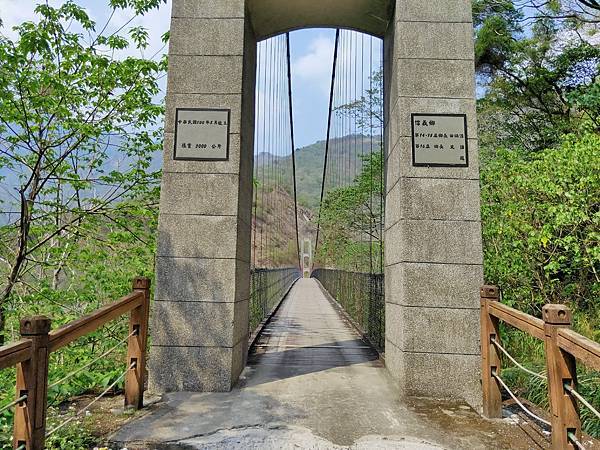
308	334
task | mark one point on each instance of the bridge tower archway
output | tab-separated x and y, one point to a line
433	258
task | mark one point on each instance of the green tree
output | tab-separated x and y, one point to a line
351	217
78	130
542	225
367	111
539	72
351	220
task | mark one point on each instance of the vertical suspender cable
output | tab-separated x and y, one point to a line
362	113
277	121
256	168
371	156
354	165
351	122
347	62
289	78
270	153
265	150
344	118
327	142
337	150
381	179
264	155
278	204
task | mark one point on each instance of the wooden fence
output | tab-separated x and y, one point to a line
563	348
31	357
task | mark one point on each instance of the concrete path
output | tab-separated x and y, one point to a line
313	384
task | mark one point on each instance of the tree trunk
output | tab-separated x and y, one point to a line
27	202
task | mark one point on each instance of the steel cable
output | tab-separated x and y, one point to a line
371	266
81	411
521	405
13	403
293	142
575	441
82	368
579	397
382	187
328	139
516	363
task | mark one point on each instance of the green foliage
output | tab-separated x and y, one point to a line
541	230
542	225
79	128
539	74
367	111
496	24
78	133
539	131
71	437
351	217
95	284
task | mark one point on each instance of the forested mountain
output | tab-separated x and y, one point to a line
309	164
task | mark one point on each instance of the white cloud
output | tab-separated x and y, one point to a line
15	12
315	66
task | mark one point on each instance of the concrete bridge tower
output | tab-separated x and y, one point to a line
433	264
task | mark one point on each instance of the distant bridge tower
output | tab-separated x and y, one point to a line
307	257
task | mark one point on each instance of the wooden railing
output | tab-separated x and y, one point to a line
31	357
563	348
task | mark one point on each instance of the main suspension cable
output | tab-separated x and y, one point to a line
327	142
289	77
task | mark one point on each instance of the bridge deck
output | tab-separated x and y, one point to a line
313	383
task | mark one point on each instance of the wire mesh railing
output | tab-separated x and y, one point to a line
267	289
361	295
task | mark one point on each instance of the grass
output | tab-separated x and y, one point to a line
530	352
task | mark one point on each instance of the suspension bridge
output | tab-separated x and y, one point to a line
359	324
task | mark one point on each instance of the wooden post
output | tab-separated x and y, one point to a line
490	354
32	380
136	349
561	368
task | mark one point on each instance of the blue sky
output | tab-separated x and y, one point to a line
312	58
311	51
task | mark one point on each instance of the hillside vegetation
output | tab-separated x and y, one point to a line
309	165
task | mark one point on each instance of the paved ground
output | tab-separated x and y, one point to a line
314	384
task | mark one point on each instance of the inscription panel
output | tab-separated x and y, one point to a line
440	140
202	134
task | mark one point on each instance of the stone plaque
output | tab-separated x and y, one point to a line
202	134
440	140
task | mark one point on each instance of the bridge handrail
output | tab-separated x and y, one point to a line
74	330
518	319
31	355
582	348
14	353
563	347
